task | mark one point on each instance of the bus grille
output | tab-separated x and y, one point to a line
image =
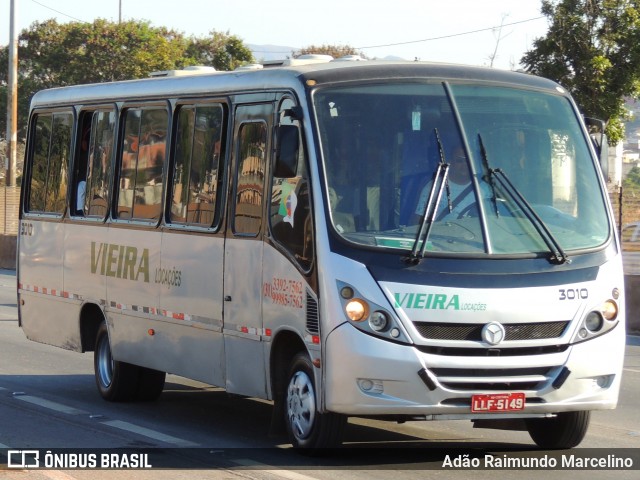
513	331
313	322
519	379
492	352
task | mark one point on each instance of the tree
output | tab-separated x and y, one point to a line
72	53
336	51
592	48
54	55
221	50
632	180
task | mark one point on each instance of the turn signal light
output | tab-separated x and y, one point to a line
610	310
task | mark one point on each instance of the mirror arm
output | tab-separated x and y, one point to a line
295	113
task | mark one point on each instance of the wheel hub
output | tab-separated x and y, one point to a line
301	405
105	363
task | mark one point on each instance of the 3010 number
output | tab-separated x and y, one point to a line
573	294
26	229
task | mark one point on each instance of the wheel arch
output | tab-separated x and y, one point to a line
284	346
91	316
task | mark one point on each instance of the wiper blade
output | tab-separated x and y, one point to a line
558	255
485	163
431	207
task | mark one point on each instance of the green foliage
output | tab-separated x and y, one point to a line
593	49
336	51
73	53
632	180
51	54
219	50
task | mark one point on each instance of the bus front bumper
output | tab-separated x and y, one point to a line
368	376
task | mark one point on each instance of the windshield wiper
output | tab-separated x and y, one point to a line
485	163
431	207
558	255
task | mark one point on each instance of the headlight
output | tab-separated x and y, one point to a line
378	321
357	310
597	322
593	322
371	317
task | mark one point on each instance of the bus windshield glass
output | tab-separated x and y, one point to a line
520	178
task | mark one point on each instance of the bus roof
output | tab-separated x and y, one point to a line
291	77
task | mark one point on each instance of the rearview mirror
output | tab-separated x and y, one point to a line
287	149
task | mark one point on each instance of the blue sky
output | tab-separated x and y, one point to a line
404	28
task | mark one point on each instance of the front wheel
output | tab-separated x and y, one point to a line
566	430
307	428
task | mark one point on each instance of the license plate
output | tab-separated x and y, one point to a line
497	402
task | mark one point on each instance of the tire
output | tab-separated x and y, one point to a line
116	381
566	430
150	384
306	427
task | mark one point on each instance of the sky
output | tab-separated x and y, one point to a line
429	30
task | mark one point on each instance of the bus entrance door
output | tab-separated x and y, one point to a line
244	350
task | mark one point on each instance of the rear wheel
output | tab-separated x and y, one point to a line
307	428
566	430
121	381
150	384
116	381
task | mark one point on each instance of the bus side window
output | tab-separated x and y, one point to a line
196	165
290	211
99	167
50	166
81	165
141	169
250	175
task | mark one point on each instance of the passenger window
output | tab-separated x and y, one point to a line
52	145
290	214
93	164
196	164
100	158
250	178
143	153
40	164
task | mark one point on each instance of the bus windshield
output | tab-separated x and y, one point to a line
520	179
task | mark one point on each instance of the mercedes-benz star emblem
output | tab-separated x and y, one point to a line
493	333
